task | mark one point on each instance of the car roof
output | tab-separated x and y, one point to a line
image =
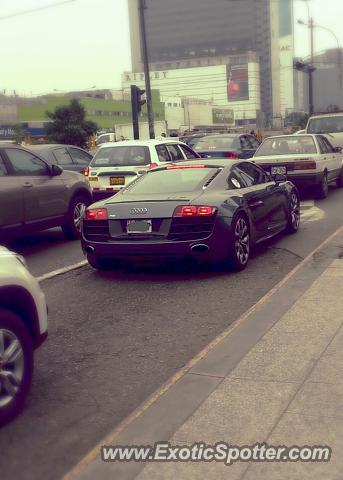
139	143
213	162
47	146
324	115
293	135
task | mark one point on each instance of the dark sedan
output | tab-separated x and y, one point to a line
227	146
210	211
68	157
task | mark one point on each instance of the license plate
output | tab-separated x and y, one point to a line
278	170
139	226
117	180
93	179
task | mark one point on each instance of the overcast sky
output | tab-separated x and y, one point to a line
82	44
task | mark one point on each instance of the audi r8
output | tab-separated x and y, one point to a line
206	210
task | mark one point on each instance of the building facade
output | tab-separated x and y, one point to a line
190	33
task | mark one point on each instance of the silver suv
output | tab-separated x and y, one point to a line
330	124
35	195
23	327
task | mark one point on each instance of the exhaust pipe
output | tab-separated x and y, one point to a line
200	248
89	249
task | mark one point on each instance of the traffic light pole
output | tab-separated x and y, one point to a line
145	59
134	109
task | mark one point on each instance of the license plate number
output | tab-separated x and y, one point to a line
117	180
139	226
278	170
93	179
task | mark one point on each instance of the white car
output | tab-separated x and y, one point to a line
329	124
306	160
116	164
23	327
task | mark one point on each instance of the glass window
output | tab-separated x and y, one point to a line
254	142
322	145
24	163
328	145
251	174
328	124
62	156
162	153
79	156
245	144
3	169
188	152
179	180
175	152
287	145
215	142
117	156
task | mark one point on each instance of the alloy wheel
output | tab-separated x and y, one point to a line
79	212
242	241
11	366
295	211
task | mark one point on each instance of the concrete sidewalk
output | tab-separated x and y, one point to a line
276	378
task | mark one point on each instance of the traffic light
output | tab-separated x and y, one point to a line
137	98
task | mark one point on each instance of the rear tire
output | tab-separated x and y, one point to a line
15	372
72	226
294	213
322	189
239	252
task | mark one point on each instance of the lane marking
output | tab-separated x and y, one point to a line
138	412
61	271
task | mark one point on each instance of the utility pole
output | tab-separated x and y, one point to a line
145	58
310	72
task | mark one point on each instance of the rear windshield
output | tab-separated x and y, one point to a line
171	181
125	156
214	143
287	146
325	125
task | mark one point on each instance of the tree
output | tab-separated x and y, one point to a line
69	125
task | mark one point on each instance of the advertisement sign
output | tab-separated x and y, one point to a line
237	82
222	115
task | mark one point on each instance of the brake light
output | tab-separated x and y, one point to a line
305	165
231	155
182	167
152	166
97	214
194	211
86	172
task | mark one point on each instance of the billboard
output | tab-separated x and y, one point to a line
223	116
237	82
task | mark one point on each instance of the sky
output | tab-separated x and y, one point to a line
62	45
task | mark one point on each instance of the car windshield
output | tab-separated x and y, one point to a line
178	180
214	143
287	146
325	125
117	156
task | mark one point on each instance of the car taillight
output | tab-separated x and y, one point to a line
231	155
152	166
86	172
305	165
194	211
97	214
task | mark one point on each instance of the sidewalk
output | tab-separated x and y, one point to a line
277	377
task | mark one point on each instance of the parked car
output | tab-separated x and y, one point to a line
213	211
307	160
68	157
329	124
227	146
116	165
23	328
36	195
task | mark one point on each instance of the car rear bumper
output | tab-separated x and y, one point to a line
211	249
305	180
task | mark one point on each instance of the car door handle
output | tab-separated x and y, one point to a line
28	185
256	204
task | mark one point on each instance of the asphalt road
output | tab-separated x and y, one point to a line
115	337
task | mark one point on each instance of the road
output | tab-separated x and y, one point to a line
115	337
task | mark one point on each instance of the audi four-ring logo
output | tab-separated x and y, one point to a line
138	211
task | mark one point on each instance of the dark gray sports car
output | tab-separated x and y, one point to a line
207	210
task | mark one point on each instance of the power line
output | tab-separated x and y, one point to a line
38	9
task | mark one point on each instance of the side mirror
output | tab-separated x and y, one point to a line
56	170
203	155
338	149
278	178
